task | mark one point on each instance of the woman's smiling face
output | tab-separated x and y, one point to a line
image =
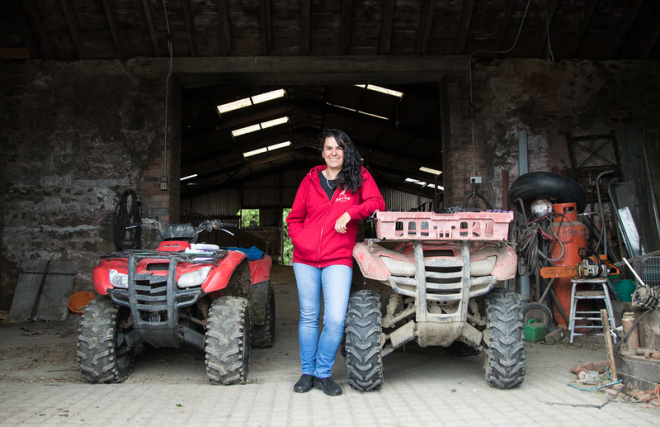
333	153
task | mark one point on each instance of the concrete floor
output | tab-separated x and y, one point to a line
40	384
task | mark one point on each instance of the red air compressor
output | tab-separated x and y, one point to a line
573	235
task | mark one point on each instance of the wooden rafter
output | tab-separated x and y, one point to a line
190	25
424	29
627	20
111	17
225	27
305	26
464	26
346	24
541	41
504	25
652	39
266	27
150	23
584	25
37	26
386	27
74	28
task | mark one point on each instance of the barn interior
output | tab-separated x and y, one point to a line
192	110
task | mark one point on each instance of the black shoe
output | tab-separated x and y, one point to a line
304	384
328	385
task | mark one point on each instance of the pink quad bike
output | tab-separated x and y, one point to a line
441	275
215	299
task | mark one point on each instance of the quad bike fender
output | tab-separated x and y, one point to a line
369	257
219	277
260	269
500	260
100	274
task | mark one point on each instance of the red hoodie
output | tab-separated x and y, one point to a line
312	219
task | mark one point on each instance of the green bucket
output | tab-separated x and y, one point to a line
624	289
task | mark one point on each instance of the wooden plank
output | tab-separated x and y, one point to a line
464	26
424	28
225	27
346	24
611	364
152	29
584	25
266	27
14	53
57	288
36	25
27	289
190	25
305	26
547	24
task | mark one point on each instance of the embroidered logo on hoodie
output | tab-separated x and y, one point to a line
343	197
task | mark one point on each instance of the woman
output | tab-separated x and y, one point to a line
323	225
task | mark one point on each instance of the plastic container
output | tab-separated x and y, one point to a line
534	331
624	289
478	226
78	301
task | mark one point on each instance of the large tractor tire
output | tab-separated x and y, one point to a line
504	363
546	185
264	335
103	353
364	358
228	341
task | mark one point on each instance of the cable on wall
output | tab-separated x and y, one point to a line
163	185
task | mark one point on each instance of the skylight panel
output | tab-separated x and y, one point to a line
274	122
247	129
429	170
268	96
265	149
231	106
188	177
246	102
384	90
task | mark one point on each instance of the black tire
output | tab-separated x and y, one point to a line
228	341
264	335
546	185
539	312
504	362
103	356
364	357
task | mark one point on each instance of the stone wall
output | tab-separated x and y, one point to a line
74	137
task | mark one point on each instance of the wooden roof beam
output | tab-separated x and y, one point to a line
464	26
305	26
111	17
584	25
74	28
266	27
627	20
225	27
386	27
541	41
150	23
346	24
504	25
424	28
30	11
190	25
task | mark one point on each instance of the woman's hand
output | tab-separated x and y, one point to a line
340	225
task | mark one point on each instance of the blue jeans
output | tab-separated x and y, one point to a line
317	354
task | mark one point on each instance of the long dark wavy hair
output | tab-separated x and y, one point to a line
350	176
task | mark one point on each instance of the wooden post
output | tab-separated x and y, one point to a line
608	344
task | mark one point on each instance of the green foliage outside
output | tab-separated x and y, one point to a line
249	218
287	246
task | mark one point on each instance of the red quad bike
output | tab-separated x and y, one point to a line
212	298
442	280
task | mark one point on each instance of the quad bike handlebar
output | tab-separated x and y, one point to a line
185	231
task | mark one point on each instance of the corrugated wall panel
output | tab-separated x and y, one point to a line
396	200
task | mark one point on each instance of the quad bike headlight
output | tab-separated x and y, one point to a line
117	279
194	278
